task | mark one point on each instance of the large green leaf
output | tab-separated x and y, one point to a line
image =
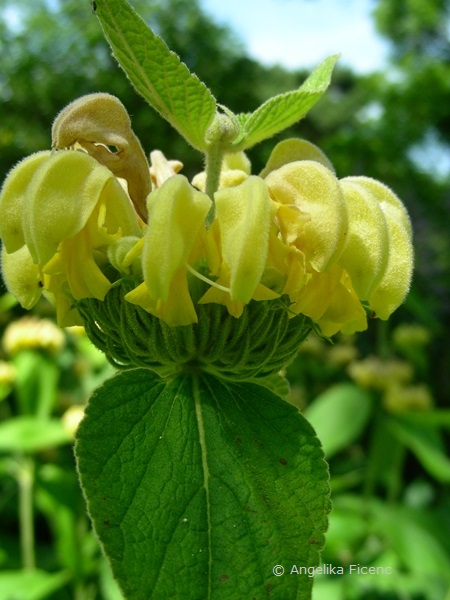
284	110
156	72
198	488
339	415
31	434
426	443
31	585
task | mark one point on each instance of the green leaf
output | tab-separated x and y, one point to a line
156	72
276	383
31	434
58	497
339	415
198	487
30	585
419	550
426	443
439	417
36	382
284	110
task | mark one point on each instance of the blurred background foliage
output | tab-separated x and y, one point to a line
379	401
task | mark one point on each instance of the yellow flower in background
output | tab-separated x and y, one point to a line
33	333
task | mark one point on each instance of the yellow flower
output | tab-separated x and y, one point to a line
97	123
352	240
176	213
74	222
235	169
407	398
312	212
59	212
387	270
31	332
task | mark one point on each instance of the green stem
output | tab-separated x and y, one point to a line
386	456
383	347
214	159
371	475
79	591
26	516
395	479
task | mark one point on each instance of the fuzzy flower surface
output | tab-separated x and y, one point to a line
80	218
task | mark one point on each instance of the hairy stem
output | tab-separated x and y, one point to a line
214	158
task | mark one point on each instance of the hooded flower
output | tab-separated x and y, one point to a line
77	220
176	214
59	211
354	234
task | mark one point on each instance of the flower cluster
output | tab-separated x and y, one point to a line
91	212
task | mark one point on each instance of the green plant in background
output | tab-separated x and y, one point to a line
49	373
376	419
200	479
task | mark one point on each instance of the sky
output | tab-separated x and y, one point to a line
301	33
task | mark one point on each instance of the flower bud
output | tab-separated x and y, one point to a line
97	122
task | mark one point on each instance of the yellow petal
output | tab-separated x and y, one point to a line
235	169
366	250
60	199
315	297
113	217
396	279
237	161
293	150
344	312
84	276
291	221
12	198
57	293
389	202
176	214
22	276
315	191
244	214
162	169
286	267
330	301
216	295
176	311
